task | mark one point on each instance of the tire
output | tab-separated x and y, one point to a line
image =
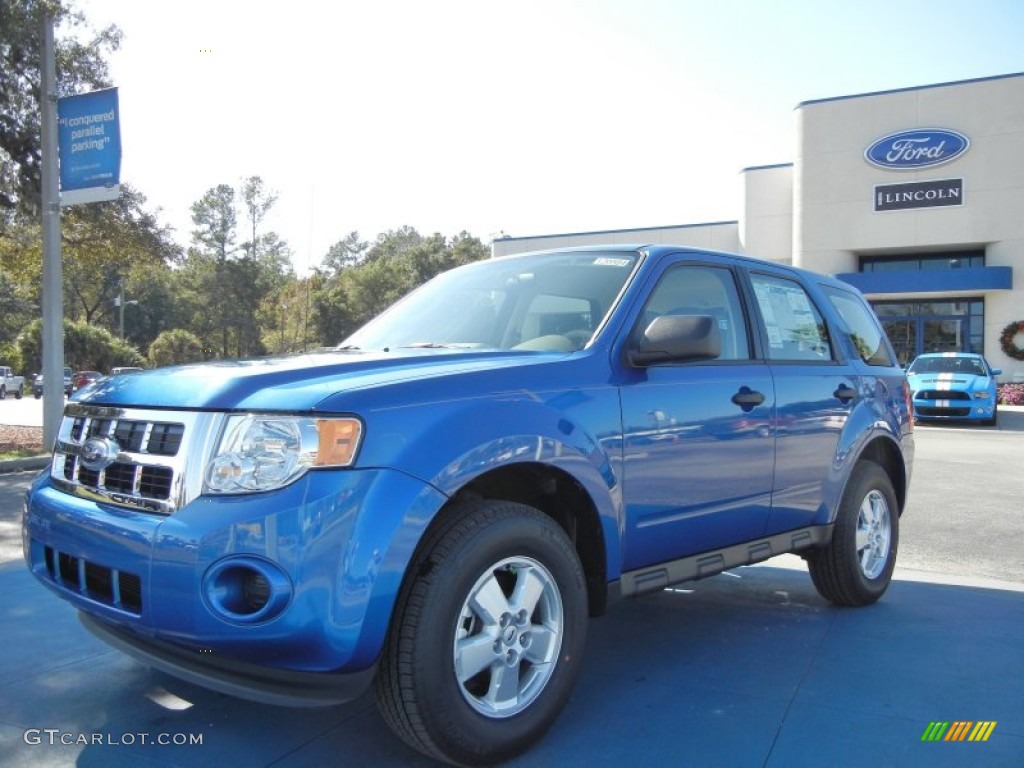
995	417
19	392
856	567
3	393
497	597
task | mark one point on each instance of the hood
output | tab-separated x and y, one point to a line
299	383
946	380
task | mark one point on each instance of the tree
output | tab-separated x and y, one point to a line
345	253
80	67
228	285
175	347
215	220
16	309
398	261
86	347
106	247
257	202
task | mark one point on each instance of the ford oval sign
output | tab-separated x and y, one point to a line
921	148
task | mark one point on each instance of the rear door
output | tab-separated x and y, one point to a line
698	436
816	388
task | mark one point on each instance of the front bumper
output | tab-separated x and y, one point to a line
338	542
954	409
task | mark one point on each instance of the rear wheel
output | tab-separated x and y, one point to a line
487	637
856	567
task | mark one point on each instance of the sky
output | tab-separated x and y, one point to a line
522	118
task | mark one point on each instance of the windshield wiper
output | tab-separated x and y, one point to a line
432	345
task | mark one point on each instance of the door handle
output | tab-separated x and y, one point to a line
747	398
845	393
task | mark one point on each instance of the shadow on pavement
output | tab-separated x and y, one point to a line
750	668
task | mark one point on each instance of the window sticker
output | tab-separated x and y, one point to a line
605	261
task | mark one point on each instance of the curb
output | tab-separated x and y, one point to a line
8	466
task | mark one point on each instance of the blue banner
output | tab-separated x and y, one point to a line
89	139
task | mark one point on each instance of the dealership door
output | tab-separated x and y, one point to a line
915	328
912	336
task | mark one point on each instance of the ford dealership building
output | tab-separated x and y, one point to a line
915	196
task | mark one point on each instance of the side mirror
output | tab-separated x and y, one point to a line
676	338
997	372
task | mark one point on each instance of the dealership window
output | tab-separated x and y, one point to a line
923	261
950	325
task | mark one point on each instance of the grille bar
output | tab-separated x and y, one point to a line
96	582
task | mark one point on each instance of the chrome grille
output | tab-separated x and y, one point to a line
149	471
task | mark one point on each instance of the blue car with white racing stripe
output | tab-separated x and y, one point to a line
952	386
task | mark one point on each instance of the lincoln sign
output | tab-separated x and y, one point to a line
919	194
910	150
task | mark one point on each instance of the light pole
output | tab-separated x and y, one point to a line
120	302
283	308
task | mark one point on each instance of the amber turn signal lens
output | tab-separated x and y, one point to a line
339	439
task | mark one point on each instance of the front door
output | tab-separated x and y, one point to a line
698	437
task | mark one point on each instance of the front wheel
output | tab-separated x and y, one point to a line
995	417
487	637
856	567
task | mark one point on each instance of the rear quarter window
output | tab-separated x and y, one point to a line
861	327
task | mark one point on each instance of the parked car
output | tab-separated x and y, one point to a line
84	379
954	385
11	384
37	384
436	507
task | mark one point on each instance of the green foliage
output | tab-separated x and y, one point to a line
398	262
227	288
10	355
15	309
345	253
80	67
175	347
86	348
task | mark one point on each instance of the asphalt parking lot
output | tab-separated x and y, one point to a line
750	668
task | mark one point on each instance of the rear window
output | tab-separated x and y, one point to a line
863	329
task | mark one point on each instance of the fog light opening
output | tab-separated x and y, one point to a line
246	590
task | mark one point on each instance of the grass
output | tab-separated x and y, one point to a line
19	453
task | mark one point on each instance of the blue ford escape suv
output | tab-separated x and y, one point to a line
435	507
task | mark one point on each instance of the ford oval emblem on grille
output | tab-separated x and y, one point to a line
98	453
920	148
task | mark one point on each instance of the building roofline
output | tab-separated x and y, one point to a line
766	167
618	231
911	88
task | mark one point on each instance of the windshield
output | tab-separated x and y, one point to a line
548	302
968	365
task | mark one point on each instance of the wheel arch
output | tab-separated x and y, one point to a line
561	497
887	455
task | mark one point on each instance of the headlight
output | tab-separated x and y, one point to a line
264	452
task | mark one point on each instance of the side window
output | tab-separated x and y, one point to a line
796	330
865	333
701	290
